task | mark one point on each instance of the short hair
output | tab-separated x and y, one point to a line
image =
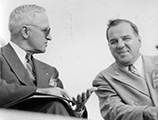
22	15
115	22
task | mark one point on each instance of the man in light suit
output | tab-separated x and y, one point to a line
30	33
127	89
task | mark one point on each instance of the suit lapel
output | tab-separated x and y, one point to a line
131	80
137	82
148	69
42	75
16	65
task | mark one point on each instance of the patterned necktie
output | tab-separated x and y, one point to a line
29	66
133	70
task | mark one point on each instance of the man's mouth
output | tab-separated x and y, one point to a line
122	52
46	44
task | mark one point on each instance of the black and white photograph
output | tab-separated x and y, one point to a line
79	59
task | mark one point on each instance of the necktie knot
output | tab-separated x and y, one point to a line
133	70
28	57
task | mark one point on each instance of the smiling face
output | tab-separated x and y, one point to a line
39	34
124	44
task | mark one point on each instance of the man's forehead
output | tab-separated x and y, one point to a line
41	19
120	29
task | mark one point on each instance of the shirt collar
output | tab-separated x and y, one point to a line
138	62
20	52
139	65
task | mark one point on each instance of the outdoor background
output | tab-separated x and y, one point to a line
79	48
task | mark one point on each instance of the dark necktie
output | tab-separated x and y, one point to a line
30	67
133	70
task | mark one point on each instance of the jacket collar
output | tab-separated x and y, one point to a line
134	81
139	83
42	74
16	65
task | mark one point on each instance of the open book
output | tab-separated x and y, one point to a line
39	98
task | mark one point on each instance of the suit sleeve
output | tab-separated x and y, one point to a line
112	107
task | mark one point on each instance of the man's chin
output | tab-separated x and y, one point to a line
124	61
40	51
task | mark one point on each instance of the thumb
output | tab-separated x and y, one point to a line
93	89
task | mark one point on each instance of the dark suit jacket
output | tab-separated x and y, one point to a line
123	95
15	82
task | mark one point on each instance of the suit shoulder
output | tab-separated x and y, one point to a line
155	58
109	70
152	58
46	65
104	75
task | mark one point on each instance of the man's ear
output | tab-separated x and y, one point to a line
140	41
25	31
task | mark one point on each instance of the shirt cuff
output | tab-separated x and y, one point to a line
79	113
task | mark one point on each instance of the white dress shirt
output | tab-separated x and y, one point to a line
139	66
20	53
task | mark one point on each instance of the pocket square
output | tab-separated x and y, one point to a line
155	78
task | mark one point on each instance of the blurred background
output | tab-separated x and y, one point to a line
79	48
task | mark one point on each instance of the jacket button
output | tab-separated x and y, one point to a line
136	103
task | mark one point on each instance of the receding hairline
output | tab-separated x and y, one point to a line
115	22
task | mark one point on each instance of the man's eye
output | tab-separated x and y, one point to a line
126	38
45	30
113	42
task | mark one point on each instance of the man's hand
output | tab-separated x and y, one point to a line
83	98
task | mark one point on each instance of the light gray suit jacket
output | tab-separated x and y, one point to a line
123	95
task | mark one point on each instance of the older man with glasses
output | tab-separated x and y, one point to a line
22	76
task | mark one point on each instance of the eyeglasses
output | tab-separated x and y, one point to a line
46	31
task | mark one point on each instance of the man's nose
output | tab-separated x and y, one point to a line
49	37
120	44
